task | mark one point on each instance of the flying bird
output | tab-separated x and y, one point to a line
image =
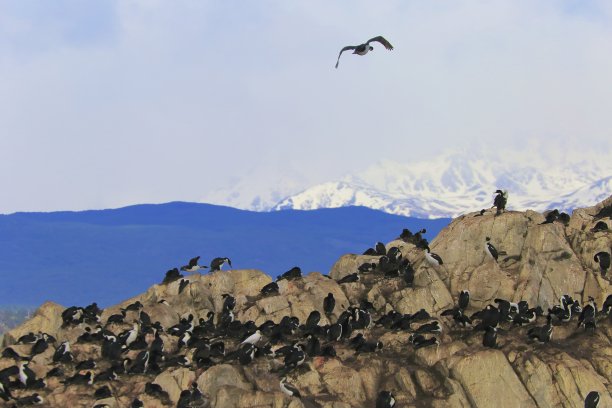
363	49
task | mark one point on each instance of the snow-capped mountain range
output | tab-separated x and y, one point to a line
454	184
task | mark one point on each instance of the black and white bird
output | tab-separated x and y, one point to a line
591	400
350	278
432	258
607	306
542	334
385	400
41	345
419	341
141	363
363	49
490	249
217	263
5	392
500	200
603	259
29	338
33	399
193	266
289	389
432	327
129	336
464	299
229	302
587	316
270	289
490	337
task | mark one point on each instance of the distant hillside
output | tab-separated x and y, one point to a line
107	255
12	316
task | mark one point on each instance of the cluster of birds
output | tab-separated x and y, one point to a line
146	348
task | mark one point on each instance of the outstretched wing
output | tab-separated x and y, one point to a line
193	261
381	40
348	47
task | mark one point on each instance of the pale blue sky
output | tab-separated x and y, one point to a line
105	103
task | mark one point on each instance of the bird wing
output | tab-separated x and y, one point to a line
381	40
348	47
193	261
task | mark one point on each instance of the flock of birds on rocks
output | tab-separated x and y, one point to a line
221	338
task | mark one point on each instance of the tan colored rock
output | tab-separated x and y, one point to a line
46	319
489	380
350	263
220	376
174	381
541	263
346	384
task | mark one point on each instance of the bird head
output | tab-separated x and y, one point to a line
371	48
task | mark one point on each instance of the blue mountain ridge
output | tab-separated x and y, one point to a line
107	256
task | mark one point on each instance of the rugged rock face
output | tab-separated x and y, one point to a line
538	263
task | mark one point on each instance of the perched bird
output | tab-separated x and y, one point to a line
591	400
171	276
369	347
607	306
41	345
29	338
289	389
385	400
500	201
542	334
433	327
363	49
5	392
329	303
600	226
88	364
33	399
137	403
193	266
217	263
253	338
270	289
350	278
490	249
293	273
432	258
490	337
103	392
156	391
229	302
464	299
182	285
603	259
419	341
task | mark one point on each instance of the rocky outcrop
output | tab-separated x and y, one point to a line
537	263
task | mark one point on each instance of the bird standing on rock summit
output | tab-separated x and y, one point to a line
500	201
217	263
363	49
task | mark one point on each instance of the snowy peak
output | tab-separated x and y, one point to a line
455	184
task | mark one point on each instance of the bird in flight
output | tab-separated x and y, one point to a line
363	49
